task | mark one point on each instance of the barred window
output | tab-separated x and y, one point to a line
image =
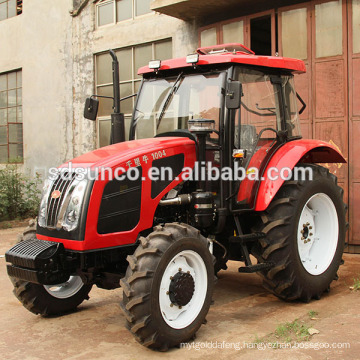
11	130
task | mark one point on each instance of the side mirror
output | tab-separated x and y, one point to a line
91	108
233	95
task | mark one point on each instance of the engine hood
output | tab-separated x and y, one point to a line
116	154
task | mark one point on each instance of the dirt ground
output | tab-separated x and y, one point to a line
242	312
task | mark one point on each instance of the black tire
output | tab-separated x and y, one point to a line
29	233
36	299
288	279
141	285
220	261
221	249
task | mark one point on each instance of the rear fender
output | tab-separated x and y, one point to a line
292	153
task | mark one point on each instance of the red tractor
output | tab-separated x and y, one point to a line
205	119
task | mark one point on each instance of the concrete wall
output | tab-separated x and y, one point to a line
39	42
147	28
83	79
56	54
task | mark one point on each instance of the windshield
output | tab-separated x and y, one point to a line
167	104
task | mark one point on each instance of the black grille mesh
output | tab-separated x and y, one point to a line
61	184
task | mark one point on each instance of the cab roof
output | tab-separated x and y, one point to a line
231	53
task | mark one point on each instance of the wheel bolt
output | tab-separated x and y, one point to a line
307	224
302	231
311	234
188	272
304	225
310	227
180	307
180	269
171	277
167	293
171	305
302	238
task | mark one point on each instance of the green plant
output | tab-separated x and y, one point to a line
19	194
282	330
257	339
288	332
312	313
356	285
6	225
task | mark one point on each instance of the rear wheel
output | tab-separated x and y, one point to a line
305	233
168	286
49	299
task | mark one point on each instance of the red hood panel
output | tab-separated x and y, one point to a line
113	155
126	155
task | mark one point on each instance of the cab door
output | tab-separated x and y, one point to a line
257	122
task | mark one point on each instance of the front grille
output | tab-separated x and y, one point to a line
61	184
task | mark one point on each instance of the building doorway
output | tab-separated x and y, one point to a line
260	35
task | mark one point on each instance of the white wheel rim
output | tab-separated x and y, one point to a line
317	234
66	289
190	262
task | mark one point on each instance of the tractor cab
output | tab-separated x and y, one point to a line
247	105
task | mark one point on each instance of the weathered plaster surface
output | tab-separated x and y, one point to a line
39	42
56	51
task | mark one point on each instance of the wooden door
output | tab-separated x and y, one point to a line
245	30
354	119
330	80
294	22
316	32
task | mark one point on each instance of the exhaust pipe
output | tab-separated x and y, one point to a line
117	118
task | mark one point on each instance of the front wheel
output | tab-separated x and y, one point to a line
49	299
305	231
167	290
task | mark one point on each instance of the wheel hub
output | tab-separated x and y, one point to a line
67	289
306	232
181	288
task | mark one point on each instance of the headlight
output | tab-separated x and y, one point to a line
71	217
44	202
65	210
